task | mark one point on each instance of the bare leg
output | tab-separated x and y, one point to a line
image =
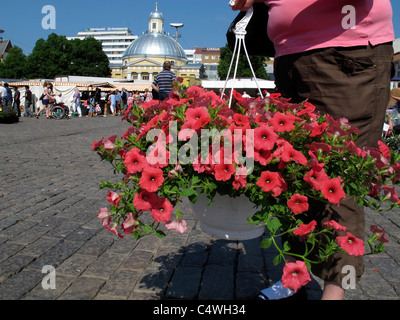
332	291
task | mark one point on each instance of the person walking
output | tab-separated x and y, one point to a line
9	97
124	100
148	96
339	56
28	103
76	100
45	98
17	101
162	82
117	102
3	95
113	103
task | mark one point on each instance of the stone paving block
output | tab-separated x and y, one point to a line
30	235
250	263
56	255
39	247
373	285
196	255
121	284
83	289
81	235
75	265
17	227
217	283
96	246
63	230
137	260
104	266
185	283
20	284
39	293
154	281
223	252
249	284
9	249
13	265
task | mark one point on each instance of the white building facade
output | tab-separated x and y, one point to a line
114	41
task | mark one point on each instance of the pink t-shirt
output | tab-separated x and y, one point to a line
300	25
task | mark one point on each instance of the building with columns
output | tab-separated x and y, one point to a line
144	58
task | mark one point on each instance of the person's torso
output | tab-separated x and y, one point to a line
301	25
165	79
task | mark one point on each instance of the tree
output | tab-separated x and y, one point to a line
49	58
14	65
88	59
243	70
58	56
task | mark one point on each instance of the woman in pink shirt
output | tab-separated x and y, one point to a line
339	55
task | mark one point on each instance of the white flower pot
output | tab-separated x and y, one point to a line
227	217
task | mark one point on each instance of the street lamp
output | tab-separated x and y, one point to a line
176	26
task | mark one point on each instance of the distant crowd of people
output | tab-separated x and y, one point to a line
98	103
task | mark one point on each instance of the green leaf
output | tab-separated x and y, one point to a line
273	225
286	246
160	234
277	260
188	192
266	243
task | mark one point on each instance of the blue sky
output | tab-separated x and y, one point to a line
206	21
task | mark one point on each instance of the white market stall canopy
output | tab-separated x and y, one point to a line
66	89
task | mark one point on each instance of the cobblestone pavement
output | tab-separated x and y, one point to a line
49	201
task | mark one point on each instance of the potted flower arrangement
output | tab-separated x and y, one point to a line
273	153
8	115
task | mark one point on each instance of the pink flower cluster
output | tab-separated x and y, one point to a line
294	150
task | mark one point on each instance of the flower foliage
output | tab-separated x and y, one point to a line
278	154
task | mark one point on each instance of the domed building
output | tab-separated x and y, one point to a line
144	58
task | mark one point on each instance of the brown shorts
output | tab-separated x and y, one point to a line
344	82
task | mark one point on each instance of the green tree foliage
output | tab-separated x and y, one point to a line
57	56
88	59
14	65
243	70
49	58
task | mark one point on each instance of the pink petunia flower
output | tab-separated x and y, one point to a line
272	182
152	179
264	137
130	224
336	226
178	225
105	216
332	190
113	198
144	200
223	172
295	275
109	144
283	122
162	210
298	203
351	244
379	233
135	161
305	229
